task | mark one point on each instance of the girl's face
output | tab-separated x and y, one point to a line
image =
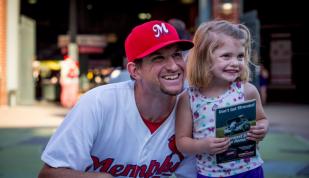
228	60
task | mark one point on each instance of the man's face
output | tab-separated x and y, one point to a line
163	71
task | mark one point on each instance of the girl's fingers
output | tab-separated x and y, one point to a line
255	137
222	144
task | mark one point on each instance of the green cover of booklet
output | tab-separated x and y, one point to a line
234	121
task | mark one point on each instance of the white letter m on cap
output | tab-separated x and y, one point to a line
159	29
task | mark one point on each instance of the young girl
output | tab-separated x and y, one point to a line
218	75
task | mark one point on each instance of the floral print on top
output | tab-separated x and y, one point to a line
203	113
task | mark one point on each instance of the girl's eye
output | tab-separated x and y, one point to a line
226	56
240	57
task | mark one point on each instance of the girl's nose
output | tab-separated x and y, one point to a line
235	62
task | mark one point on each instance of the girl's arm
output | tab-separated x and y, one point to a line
259	131
184	126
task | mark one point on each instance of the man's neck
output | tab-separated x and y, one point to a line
153	107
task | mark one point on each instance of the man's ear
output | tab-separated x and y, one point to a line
133	70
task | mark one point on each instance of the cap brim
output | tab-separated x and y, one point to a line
183	45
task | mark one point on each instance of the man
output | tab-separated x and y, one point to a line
181	28
127	129
69	82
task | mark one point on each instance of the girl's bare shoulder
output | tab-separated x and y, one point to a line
250	91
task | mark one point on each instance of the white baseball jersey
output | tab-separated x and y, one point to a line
104	132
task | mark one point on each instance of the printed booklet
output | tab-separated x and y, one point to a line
234	121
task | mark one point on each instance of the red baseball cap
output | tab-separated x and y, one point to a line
151	36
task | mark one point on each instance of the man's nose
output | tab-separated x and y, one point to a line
171	64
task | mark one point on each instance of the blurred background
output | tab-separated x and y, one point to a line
52	51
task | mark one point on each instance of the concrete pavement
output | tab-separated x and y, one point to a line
41	114
25	130
286	148
288	118
284	117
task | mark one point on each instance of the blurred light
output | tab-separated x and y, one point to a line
115	73
50	64
148	16
32	1
36	74
227	8
106	79
54	80
90	75
144	16
89	6
187	1
98	79
106	71
111	38
36	64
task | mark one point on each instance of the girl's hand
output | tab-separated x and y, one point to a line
257	132
216	145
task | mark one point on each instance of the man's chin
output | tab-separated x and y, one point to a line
172	92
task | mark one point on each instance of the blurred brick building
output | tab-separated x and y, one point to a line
3	91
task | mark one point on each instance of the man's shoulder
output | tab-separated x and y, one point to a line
106	96
104	92
114	87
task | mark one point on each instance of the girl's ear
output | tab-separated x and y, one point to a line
133	70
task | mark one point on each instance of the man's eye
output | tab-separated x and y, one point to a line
178	54
157	58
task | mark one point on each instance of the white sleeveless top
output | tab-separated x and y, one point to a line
203	114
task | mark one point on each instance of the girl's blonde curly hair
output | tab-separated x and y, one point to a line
207	38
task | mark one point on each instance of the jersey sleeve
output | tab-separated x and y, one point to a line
71	144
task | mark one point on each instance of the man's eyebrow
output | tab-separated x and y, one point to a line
155	54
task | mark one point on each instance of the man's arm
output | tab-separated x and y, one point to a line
50	172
